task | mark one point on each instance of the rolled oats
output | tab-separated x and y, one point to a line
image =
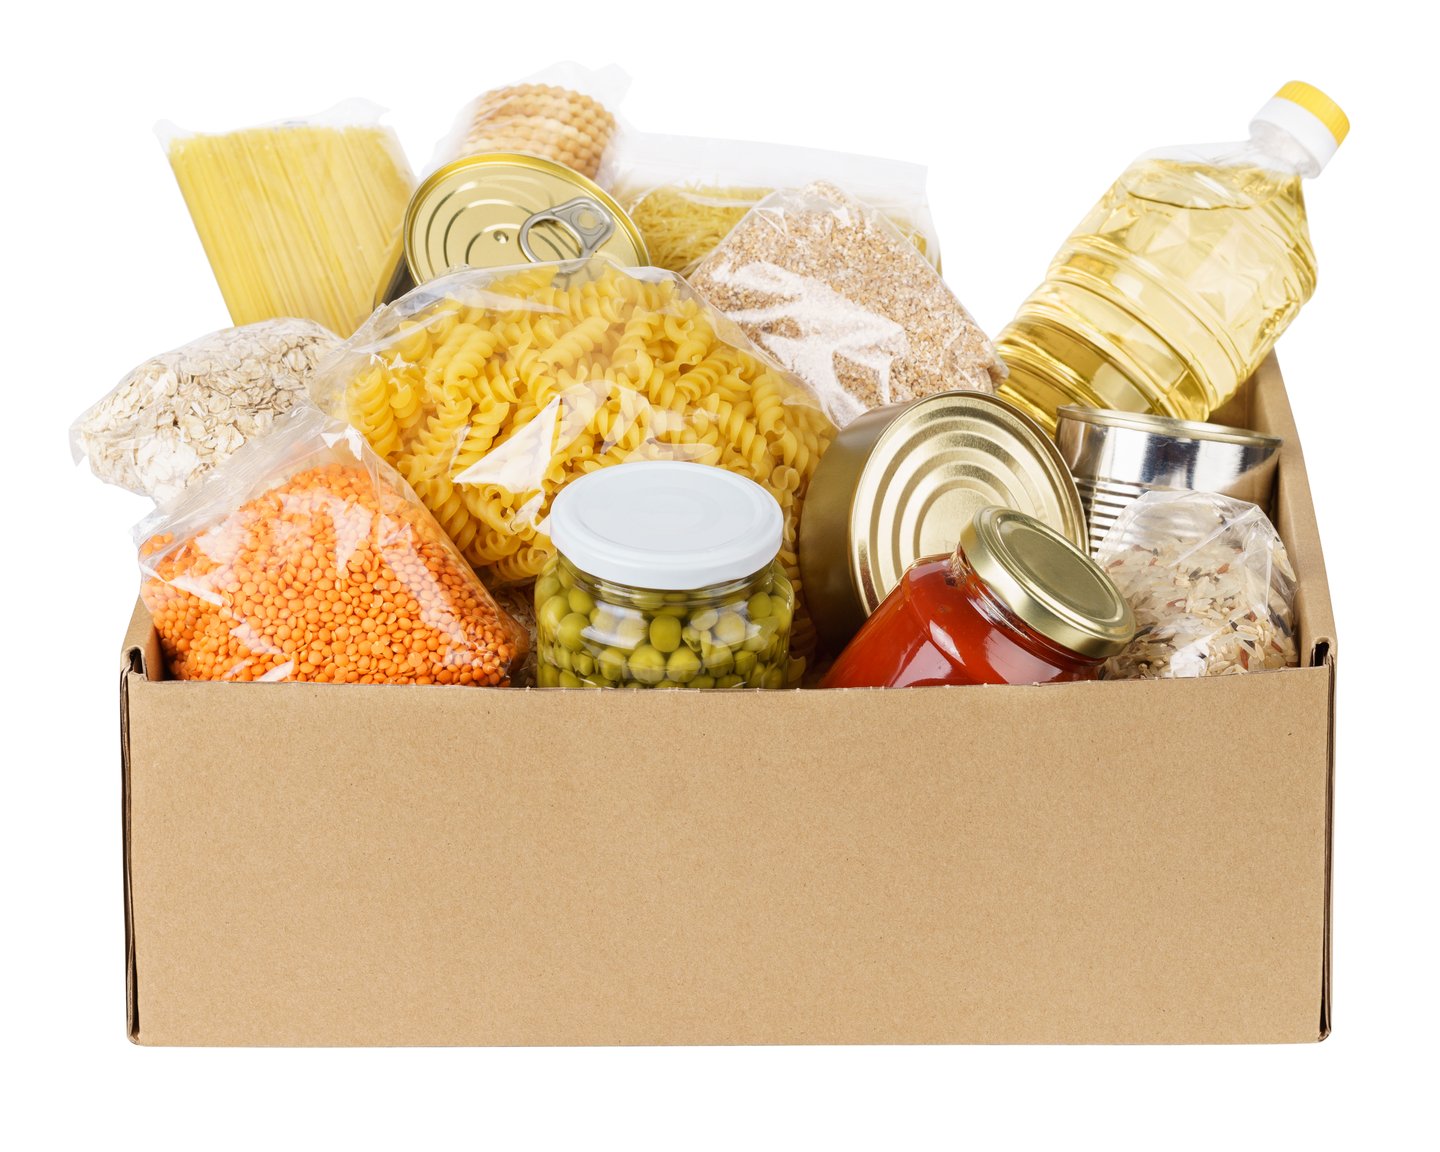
175	417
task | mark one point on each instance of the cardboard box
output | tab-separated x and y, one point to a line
1104	862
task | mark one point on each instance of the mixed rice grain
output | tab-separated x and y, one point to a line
1209	582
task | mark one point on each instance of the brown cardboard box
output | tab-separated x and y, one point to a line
1107	862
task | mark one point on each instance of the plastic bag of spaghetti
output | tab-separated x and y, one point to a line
304	557
300	217
565	113
831	289
685	193
178	415
1210	584
489	390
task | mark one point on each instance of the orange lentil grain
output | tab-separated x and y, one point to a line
278	591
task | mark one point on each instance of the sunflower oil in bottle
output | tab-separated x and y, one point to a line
1174	288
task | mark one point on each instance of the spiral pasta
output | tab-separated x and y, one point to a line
488	409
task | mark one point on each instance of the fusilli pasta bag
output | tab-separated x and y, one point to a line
489	390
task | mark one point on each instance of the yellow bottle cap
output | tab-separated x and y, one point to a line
1318	105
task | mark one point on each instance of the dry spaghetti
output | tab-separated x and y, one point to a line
296	219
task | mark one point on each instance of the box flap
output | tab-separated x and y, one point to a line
1295	515
132	1014
141	649
1295	518
1329	856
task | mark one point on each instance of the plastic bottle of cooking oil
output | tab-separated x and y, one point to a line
1176	285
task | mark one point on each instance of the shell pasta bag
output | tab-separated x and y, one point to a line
490	390
303	557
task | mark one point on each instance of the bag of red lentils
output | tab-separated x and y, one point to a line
306	557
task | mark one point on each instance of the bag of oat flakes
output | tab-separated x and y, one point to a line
180	414
1209	582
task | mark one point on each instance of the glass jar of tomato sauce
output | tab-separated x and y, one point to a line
1016	604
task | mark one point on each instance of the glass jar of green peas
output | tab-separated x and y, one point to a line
665	578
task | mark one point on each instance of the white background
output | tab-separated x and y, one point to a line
1024	114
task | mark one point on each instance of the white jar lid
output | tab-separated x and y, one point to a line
666	525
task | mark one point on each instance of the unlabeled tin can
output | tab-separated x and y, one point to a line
500	209
1116	457
902	482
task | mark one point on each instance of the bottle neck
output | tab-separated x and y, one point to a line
1295	131
1290	154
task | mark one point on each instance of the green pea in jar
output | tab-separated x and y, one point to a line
665	577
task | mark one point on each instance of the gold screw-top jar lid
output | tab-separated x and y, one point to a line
1047	582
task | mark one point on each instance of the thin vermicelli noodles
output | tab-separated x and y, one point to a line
684	223
296	219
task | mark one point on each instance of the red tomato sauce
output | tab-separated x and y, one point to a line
937	628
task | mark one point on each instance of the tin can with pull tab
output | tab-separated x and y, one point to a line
500	209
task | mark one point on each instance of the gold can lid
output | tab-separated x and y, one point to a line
900	483
1047	582
501	209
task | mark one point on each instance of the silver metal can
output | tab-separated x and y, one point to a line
1116	457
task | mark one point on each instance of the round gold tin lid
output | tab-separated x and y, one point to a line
1047	582
901	482
500	209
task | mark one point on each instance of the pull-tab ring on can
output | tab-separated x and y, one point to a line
584	218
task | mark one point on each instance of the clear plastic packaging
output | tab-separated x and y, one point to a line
1209	582
565	113
518	602
491	389
304	557
175	417
827	286
298	218
685	193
